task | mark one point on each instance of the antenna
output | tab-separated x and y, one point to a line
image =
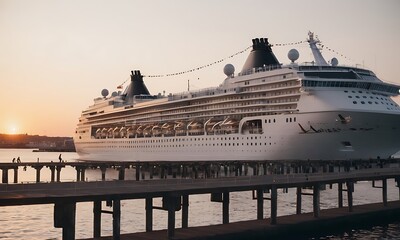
319	59
188	85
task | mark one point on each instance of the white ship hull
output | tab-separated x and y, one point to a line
366	136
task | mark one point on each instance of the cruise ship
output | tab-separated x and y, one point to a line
267	111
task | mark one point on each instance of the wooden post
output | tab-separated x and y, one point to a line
185	211
96	219
16	175
171	216
116	219
149	214
225	207
151	169
316	200
38	168
274	205
340	195
137	168
384	192
350	195
298	200
121	173
78	174
53	175
59	173
64	217
103	172
5	175
83	169
260	204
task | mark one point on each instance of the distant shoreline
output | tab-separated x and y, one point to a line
36	142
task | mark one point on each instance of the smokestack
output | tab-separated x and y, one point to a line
261	55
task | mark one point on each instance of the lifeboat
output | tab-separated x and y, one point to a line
167	129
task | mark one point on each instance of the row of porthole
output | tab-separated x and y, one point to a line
383	99
178	140
363	102
183	145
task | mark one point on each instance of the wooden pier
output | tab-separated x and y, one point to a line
176	193
210	169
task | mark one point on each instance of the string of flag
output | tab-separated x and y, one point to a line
222	60
288	44
332	50
216	62
198	68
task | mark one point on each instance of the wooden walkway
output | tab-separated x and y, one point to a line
175	193
45	193
287	227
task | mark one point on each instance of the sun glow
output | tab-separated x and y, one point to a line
12	129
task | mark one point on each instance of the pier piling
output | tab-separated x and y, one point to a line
64	217
316	200
149	214
38	169
260	204
350	187
298	200
340	195
16	175
274	205
103	170
4	175
384	192
96	219
116	219
185	211
225	207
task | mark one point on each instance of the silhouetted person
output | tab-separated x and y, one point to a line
60	158
13	160
18	160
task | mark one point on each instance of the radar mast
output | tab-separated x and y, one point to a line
319	59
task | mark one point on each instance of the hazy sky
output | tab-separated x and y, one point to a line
57	56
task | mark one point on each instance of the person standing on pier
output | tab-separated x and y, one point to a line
60	158
13	160
18	160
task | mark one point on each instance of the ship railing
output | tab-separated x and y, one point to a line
265	68
194	94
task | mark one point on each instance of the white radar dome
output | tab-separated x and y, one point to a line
229	70
334	61
104	92
293	55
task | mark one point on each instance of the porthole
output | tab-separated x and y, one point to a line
354	102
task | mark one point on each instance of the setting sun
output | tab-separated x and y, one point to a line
12	129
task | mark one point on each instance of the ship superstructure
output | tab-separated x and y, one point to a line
266	112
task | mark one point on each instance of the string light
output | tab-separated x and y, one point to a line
213	63
198	68
332	50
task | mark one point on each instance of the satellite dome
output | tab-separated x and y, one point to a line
114	94
229	70
293	55
334	62
104	92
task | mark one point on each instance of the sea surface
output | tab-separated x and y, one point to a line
36	221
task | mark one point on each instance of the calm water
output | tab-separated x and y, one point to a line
36	221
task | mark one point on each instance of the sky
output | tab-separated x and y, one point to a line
57	55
